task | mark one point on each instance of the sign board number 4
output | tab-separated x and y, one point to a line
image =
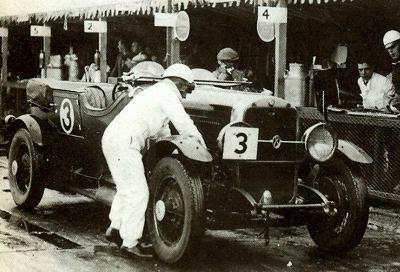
272	14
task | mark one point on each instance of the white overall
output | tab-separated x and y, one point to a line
146	116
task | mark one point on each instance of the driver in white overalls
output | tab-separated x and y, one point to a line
145	117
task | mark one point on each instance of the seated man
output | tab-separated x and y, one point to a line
377	91
227	66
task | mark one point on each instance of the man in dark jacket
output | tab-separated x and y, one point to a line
119	66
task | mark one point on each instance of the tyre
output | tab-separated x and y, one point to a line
24	171
343	231
175	215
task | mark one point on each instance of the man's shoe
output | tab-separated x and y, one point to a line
145	243
136	251
112	235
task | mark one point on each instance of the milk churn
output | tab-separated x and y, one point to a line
295	84
97	58
41	64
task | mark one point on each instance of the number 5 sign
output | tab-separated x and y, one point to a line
40	31
241	143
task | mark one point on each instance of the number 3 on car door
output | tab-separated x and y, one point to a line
240	143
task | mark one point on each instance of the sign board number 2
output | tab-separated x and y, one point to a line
95	26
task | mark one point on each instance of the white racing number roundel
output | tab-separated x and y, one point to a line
67	116
241	143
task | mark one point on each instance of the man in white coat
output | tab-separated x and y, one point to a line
145	117
377	91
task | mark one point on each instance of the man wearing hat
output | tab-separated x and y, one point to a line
145	117
227	66
391	41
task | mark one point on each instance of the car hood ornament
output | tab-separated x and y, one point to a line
276	141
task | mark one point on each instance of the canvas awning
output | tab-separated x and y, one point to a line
316	1
45	10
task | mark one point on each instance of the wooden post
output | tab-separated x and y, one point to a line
47	52
4	54
173	45
280	55
103	54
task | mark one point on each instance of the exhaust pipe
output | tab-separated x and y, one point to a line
105	195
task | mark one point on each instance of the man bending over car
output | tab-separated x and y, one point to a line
145	117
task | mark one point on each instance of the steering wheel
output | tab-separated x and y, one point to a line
117	88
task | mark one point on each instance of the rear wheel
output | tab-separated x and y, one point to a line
175	215
343	185
24	171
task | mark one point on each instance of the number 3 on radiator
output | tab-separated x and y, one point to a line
240	143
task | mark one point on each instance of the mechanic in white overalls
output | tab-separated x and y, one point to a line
145	117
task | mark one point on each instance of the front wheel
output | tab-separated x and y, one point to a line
24	170
346	187
175	215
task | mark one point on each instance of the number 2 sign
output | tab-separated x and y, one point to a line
241	143
95	26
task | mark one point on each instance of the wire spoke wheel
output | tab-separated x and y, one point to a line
344	230
175	216
23	163
170	228
25	170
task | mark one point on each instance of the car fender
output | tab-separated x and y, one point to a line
186	145
31	124
353	152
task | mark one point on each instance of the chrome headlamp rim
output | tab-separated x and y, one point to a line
309	132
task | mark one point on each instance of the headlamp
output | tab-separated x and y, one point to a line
320	142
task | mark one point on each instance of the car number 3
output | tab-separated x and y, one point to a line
67	116
240	143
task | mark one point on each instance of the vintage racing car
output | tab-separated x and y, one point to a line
257	170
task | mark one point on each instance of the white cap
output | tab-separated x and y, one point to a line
179	70
390	36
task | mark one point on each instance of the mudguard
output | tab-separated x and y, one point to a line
31	124
353	152
186	145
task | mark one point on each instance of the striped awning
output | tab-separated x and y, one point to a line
45	10
316	1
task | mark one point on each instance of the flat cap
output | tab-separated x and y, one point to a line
227	54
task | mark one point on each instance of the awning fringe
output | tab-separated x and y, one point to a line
140	7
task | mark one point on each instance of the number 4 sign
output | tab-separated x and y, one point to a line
241	143
272	14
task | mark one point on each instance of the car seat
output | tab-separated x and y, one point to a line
95	98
